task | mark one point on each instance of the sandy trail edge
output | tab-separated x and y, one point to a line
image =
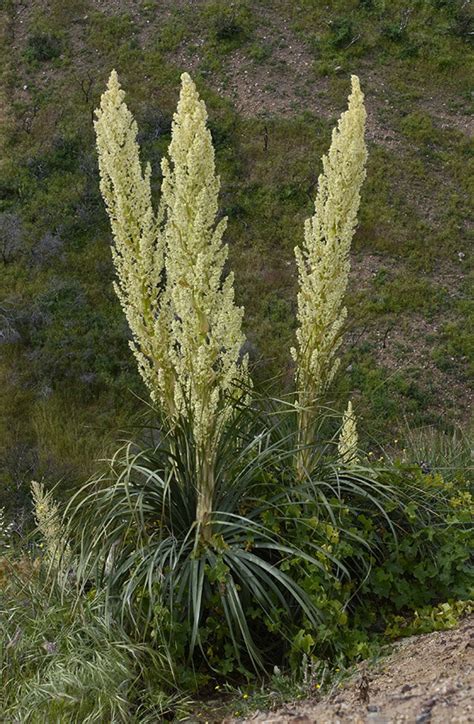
426	679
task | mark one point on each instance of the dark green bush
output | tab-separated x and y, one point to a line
342	32
431	561
42	47
424	560
230	23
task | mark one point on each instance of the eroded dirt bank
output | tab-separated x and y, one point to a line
427	679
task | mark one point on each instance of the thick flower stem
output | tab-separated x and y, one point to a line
205	499
304	440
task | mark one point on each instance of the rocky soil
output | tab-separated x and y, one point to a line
427	679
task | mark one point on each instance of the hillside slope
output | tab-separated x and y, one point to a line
275	77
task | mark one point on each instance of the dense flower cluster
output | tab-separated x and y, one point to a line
348	438
138	253
323	261
186	327
206	326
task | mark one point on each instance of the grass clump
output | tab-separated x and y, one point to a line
61	659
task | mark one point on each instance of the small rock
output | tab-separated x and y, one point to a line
423	718
372	707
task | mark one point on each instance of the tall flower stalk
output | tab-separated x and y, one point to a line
323	268
5	531
139	249
186	327
206	327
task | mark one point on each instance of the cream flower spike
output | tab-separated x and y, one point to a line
138	253
323	262
348	438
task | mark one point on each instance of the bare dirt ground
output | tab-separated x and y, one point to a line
427	679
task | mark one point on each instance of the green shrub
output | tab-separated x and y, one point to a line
394	32
342	32
422	562
42	47
230	23
431	561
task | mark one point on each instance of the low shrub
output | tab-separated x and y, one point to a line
431	560
42	47
230	23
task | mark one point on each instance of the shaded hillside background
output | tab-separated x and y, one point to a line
275	77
